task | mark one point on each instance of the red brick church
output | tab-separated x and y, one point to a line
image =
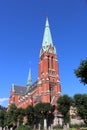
47	88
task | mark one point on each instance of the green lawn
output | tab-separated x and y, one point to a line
72	129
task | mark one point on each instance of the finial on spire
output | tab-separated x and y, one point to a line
47	22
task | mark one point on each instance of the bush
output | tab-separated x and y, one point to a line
78	125
74	125
23	127
59	127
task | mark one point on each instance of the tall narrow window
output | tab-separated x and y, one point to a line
48	62
52	63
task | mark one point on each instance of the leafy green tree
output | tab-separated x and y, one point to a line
42	111
30	115
81	105
63	104
14	117
11	116
2	117
20	116
81	71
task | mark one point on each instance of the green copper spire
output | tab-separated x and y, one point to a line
29	81
47	39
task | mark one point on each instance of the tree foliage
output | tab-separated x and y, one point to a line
81	105
81	71
11	116
23	127
20	115
63	104
14	117
29	111
43	111
2	117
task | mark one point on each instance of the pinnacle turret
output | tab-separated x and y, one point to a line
13	88
29	81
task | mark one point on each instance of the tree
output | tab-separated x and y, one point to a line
11	116
81	71
20	115
80	101
63	105
30	115
14	117
2	117
42	111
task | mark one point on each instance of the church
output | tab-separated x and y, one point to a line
47	88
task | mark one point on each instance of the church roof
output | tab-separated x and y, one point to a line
20	90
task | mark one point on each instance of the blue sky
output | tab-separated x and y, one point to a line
22	25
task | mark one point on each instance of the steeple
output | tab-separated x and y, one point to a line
29	81
48	74
47	39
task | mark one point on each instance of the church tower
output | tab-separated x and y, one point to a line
48	74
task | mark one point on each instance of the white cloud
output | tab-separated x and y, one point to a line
2	100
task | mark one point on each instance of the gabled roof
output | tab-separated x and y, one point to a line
20	90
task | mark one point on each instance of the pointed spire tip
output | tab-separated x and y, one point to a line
47	38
